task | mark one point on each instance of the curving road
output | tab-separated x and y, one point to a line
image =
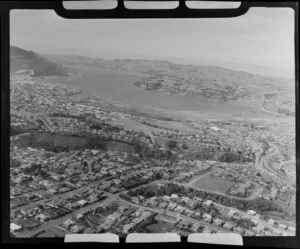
264	163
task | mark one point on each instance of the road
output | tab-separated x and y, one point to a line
46	123
58	196
53	223
264	164
170	213
255	217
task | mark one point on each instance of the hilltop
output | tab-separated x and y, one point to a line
22	59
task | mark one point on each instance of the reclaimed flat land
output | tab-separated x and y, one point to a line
213	183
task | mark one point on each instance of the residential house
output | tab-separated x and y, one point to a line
251	212
206	217
218	222
228	226
196	226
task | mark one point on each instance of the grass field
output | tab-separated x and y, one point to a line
213	183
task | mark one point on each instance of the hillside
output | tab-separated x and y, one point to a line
21	59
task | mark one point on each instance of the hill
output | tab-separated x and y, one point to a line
21	59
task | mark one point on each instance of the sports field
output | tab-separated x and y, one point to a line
213	183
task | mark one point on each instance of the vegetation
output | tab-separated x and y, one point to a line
245	222
227	157
36	170
145	151
184	146
14	163
60	143
14	131
172	144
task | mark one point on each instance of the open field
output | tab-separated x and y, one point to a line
213	183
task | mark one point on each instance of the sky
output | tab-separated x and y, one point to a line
263	38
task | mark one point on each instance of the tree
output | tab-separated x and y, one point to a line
113	206
172	144
137	147
14	163
213	213
184	146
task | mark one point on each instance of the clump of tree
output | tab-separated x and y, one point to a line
125	197
113	206
184	146
36	170
172	144
147	152
14	131
14	163
246	223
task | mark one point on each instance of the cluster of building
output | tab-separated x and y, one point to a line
209	212
32	217
34	95
184	86
46	186
23	122
225	137
49	209
122	220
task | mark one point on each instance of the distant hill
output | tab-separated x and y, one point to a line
21	59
